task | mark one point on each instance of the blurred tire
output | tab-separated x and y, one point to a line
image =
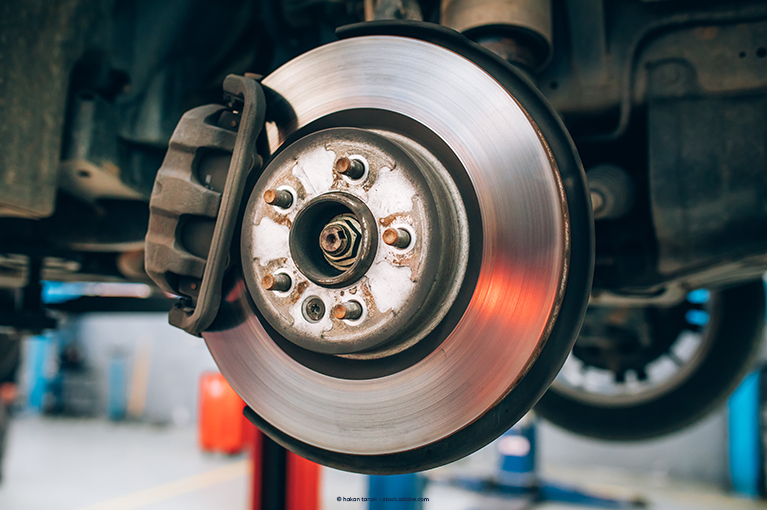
732	350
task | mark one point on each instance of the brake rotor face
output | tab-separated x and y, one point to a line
415	93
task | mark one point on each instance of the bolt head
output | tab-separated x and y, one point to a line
346	253
313	309
334	239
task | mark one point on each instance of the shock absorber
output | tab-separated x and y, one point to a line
517	30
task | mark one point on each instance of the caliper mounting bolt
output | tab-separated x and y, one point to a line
313	309
397	237
349	310
279	198
351	168
279	282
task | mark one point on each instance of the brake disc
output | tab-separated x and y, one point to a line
414	259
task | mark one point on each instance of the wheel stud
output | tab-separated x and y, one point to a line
351	168
279	282
397	237
279	198
350	310
313	309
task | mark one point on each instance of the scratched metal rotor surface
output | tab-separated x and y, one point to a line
525	243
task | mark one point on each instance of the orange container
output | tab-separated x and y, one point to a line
222	427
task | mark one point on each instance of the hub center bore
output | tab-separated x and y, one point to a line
334	239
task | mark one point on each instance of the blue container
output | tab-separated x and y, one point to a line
745	440
517	455
37	367
117	400
396	492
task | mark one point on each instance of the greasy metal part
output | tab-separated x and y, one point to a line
279	198
525	235
178	195
397	237
329	241
519	31
612	191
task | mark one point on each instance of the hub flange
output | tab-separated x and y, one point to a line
333	242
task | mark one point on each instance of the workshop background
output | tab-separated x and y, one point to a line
110	415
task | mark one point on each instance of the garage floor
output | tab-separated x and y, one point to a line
67	464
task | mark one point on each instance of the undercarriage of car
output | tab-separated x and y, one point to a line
393	222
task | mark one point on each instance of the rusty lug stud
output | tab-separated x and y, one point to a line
279	282
351	168
279	198
397	237
350	310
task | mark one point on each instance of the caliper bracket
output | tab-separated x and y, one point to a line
182	199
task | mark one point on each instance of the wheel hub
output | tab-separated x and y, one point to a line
375	229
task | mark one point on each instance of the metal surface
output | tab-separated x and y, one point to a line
40	44
185	198
612	192
520	28
524	254
634	355
330	242
707	178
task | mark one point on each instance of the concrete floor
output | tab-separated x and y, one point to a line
66	464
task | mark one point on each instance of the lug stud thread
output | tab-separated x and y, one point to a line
350	310
351	168
279	198
397	237
279	282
